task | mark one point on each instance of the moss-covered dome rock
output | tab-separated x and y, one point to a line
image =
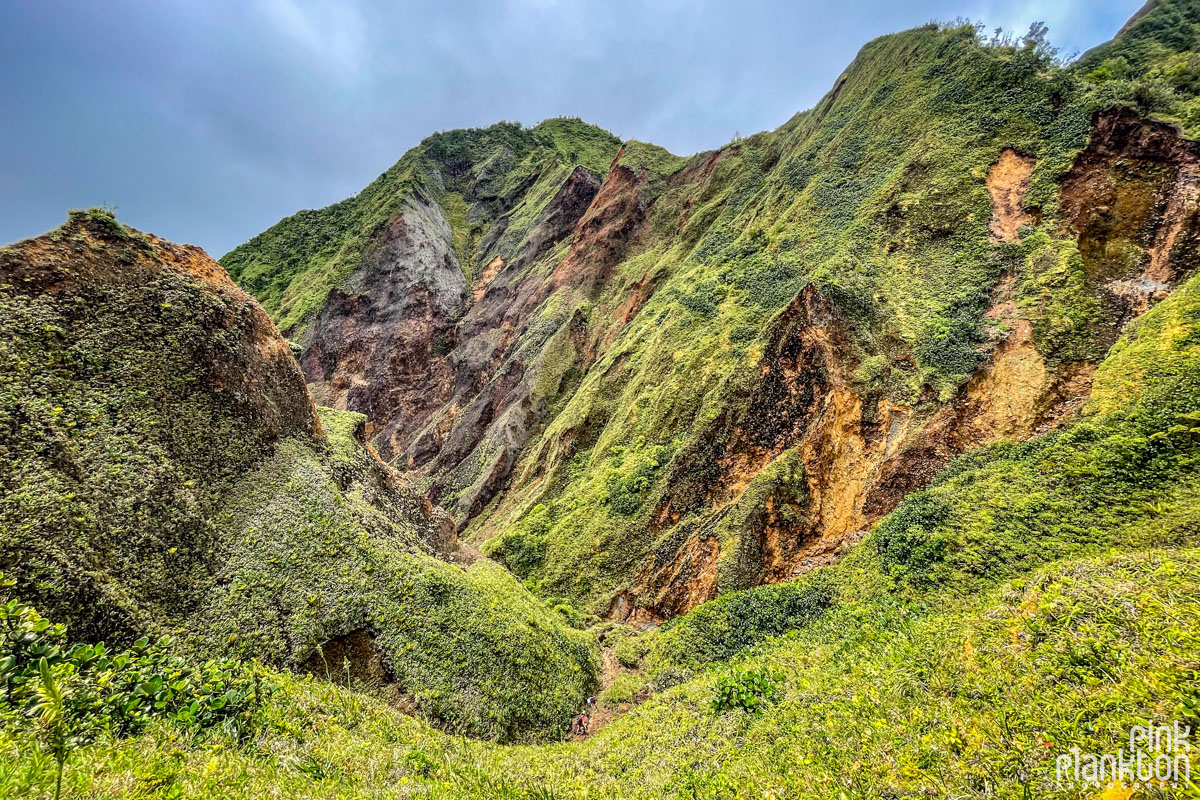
163	470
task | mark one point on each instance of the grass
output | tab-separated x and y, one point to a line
976	697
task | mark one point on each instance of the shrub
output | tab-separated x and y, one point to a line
115	693
630	650
729	624
622	690
76	693
750	690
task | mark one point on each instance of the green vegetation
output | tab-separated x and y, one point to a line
624	689
750	690
982	693
165	471
1155	63
315	555
142	495
1125	476
75	695
877	199
946	653
505	173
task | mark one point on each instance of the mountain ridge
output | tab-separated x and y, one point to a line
490	389
855	458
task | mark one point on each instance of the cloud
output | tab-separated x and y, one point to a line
235	113
334	33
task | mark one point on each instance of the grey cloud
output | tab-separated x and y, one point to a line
208	120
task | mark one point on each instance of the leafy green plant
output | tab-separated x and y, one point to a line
50	709
750	690
75	694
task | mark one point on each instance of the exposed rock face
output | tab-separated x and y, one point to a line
499	391
351	660
1132	198
853	458
448	373
469	449
1007	183
379	345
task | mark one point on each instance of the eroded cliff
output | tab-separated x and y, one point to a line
644	384
164	470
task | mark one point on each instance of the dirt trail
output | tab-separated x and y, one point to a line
610	670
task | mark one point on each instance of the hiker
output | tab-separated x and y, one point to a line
581	724
591	704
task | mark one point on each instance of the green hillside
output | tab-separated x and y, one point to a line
895	678
510	170
165	473
855	459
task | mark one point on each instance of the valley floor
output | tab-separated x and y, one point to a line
951	698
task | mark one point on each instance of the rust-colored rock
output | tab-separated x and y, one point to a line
1007	183
1133	199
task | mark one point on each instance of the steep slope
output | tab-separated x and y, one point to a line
730	366
754	431
1153	61
1162	34
464	220
164	470
1051	603
933	347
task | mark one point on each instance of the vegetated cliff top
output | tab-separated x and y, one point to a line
163	469
478	173
292	266
1162	34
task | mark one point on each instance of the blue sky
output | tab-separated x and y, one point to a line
206	121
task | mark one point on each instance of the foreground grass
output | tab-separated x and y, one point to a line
974	697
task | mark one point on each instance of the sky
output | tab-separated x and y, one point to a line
207	121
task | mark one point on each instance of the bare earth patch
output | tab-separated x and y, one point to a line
1007	182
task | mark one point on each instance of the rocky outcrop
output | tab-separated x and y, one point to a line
379	345
245	363
141	384
484	398
1132	199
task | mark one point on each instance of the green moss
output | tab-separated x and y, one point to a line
318	556
466	238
